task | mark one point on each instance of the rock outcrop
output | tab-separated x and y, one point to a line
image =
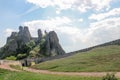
51	46
13	36
21	44
16	40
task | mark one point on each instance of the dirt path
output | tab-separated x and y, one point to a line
5	66
92	74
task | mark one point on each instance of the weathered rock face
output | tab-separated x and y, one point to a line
9	48
12	41
13	36
16	41
24	34
51	45
12	46
54	44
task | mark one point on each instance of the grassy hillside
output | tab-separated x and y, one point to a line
98	59
8	75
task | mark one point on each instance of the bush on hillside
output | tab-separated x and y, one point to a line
11	58
110	77
21	56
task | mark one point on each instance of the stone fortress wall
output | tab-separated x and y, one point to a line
10	62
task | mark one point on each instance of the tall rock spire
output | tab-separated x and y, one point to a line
21	29
51	46
27	35
39	35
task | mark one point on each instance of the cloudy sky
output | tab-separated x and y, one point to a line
78	23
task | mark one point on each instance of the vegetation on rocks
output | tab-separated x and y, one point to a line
22	45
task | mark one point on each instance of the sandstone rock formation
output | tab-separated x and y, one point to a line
21	44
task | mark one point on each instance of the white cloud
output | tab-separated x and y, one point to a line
100	16
74	38
81	5
49	24
104	31
80	20
58	11
8	32
41	3
101	4
97	33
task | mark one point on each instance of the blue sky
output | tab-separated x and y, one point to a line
78	23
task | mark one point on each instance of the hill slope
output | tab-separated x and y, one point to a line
105	58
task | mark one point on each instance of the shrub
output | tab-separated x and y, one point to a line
30	44
42	41
110	77
11	58
21	56
32	63
34	52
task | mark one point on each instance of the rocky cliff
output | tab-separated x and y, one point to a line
51	45
22	45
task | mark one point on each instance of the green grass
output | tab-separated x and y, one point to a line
9	75
96	60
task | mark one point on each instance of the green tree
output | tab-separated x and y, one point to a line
35	51
21	56
31	44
